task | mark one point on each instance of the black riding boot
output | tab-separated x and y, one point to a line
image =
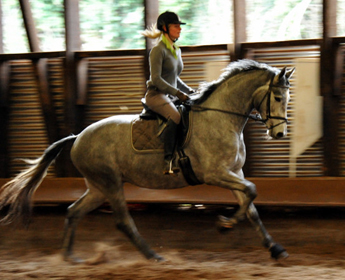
169	136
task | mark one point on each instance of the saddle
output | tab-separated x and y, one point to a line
146	131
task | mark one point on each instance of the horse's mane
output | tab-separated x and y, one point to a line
234	68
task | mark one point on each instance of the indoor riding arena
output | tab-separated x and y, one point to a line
72	64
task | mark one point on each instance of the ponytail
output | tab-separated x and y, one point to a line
152	32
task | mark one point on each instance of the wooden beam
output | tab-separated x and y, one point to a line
238	52
151	15
1	29
331	101
47	105
72	25
29	24
281	44
40	66
82	73
240	28
110	53
33	56
5	71
338	54
338	40
82	86
314	191
73	44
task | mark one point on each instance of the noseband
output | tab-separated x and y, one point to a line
255	117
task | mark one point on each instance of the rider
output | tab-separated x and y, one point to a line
165	67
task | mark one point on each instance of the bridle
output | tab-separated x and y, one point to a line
268	105
255	117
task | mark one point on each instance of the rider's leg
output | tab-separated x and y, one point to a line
169	136
162	104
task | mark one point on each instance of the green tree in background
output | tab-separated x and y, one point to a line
49	16
116	24
112	24
274	20
208	22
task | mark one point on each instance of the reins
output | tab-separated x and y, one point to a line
255	117
200	108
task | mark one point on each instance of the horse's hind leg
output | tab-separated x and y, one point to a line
91	199
125	223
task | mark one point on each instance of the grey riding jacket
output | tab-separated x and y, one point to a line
165	70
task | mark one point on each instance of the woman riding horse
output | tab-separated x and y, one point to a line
165	67
103	153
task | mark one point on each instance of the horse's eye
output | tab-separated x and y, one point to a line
278	99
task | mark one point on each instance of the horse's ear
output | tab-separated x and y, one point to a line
282	73
289	73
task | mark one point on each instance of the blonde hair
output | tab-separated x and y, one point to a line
152	32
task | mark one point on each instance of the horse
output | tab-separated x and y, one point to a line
104	156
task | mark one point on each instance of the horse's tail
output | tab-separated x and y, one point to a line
18	192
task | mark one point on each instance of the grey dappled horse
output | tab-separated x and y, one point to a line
104	155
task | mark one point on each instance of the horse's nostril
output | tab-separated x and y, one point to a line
280	134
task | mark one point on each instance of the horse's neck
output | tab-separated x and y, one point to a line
235	96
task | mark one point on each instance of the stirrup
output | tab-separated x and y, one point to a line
170	169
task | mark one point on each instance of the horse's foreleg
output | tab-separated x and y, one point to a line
88	202
248	191
125	223
277	251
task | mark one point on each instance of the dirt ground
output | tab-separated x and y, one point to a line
187	239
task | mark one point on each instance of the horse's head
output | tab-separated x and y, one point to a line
273	105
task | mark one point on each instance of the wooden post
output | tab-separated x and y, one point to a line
331	100
4	107
1	30
71	114
240	24
30	26
4	118
40	66
151	15
240	36
73	44
46	100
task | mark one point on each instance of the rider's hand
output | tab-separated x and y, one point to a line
182	96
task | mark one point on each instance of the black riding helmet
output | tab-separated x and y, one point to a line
167	18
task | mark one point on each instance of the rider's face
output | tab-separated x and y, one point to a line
174	31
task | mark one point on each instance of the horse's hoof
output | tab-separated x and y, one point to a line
278	252
157	258
225	224
73	260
